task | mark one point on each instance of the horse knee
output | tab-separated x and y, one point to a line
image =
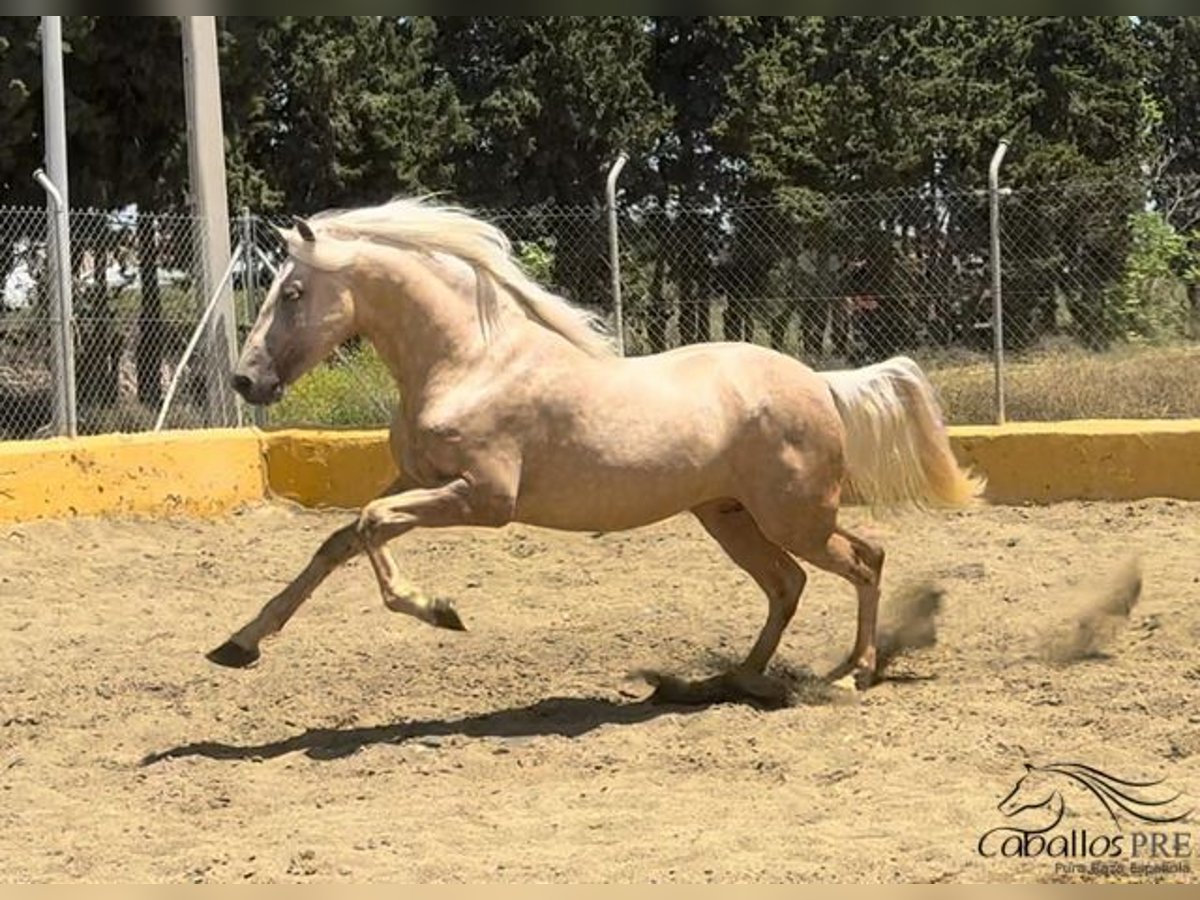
785	593
870	556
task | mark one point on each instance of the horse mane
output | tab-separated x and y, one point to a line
417	224
1112	791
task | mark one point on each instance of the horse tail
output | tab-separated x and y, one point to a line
896	449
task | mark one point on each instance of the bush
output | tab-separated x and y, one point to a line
353	390
1152	297
1062	383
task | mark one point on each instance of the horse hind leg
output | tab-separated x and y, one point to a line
861	563
780	578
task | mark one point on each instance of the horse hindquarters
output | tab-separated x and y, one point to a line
897	452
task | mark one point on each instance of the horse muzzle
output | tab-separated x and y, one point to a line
257	391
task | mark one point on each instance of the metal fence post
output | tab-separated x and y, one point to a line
206	168
61	316
59	257
614	250
997	300
191	345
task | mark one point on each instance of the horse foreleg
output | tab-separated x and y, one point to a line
242	649
339	548
455	503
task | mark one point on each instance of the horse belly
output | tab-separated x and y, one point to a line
600	503
636	447
580	492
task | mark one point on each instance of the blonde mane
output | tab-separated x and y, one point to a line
417	224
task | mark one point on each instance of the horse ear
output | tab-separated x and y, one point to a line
304	229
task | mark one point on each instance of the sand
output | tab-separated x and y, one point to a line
368	746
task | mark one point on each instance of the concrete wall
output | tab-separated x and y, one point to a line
1042	462
211	472
193	473
327	468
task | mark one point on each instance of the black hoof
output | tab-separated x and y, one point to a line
865	679
233	656
445	616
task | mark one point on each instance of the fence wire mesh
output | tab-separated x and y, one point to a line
1101	296
853	279
135	301
832	280
1100	290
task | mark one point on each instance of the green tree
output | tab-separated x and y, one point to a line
904	113
822	109
20	114
338	110
1173	46
1083	144
693	58
247	82
127	143
551	101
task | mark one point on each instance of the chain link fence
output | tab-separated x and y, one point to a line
135	304
1101	299
1100	290
831	280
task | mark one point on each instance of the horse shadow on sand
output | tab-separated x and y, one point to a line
569	717
909	625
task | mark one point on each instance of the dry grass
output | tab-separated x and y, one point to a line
1068	383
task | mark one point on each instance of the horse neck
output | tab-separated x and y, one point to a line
423	323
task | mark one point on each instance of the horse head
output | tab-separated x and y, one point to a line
308	312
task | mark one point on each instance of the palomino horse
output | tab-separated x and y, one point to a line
514	408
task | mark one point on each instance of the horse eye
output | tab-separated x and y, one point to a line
292	290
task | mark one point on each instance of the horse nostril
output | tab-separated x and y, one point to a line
241	384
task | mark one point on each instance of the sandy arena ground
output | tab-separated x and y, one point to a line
368	746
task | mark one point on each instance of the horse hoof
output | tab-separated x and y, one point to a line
445	616
865	678
233	656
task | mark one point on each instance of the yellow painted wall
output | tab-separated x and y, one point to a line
1029	462
1042	462
338	469
195	473
210	472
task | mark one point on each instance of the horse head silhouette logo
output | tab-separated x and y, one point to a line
1040	788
